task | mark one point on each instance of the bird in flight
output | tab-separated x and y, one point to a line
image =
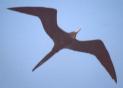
62	39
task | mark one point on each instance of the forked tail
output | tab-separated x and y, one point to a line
47	57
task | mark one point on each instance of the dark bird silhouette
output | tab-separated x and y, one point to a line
61	39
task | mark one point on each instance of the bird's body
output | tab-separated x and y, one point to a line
61	39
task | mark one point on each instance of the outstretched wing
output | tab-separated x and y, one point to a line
48	17
97	48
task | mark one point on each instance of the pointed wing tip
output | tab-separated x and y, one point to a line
114	76
115	79
39	8
14	9
35	11
10	8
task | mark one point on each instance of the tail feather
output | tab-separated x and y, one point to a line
46	58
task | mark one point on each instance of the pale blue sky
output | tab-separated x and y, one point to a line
24	43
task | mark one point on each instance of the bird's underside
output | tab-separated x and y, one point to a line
48	17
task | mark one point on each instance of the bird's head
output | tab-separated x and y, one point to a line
73	34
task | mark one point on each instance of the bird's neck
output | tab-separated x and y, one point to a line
73	35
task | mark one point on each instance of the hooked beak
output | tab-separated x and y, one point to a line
78	30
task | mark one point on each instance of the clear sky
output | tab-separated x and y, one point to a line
23	42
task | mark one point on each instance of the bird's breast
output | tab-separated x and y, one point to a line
64	42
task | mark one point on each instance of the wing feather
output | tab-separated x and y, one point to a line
97	48
48	17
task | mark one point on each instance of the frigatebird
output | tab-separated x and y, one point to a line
62	39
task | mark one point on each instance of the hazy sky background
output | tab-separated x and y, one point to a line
23	42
